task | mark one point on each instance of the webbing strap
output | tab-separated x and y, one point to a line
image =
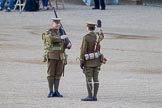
97	41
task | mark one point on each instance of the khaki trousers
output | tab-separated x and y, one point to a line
55	69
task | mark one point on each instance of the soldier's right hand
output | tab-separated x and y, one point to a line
82	66
64	36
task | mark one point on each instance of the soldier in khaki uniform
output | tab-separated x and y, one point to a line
55	43
90	60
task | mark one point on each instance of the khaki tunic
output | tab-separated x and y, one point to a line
92	66
55	52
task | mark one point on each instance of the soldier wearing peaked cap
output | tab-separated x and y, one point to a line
90	59
56	20
55	44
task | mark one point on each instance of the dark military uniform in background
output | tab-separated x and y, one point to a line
98	3
91	67
55	55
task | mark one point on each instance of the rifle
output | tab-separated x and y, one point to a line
99	25
62	32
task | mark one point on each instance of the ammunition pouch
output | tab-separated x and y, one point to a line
91	56
56	39
53	44
49	38
95	55
53	39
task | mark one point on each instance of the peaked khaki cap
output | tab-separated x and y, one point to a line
90	24
56	19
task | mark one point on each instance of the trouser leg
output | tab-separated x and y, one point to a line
89	75
50	84
57	76
56	84
56	87
96	81
43	2
46	3
89	88
11	4
3	3
58	73
50	73
102	3
96	86
96	3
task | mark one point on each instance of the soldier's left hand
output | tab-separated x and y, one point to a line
69	45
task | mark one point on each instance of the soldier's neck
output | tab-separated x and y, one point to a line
91	31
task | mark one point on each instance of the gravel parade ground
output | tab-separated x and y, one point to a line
132	77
